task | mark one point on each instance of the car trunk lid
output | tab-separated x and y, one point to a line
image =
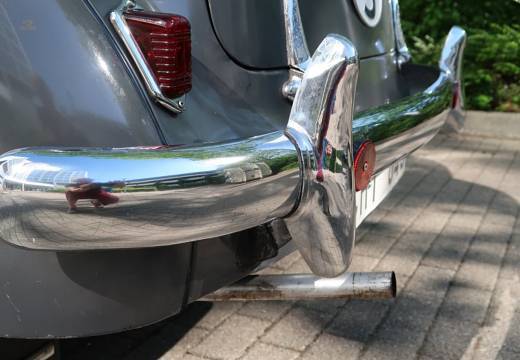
252	32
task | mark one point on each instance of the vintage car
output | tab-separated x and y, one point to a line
159	152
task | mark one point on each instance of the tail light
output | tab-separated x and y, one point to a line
160	45
364	164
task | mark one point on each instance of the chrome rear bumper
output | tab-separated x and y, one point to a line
164	196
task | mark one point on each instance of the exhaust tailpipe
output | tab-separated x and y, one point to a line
350	285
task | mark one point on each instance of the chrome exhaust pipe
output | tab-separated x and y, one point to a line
350	285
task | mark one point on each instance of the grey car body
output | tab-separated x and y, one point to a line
66	80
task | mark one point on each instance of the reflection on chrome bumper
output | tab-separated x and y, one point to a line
69	199
98	198
400	128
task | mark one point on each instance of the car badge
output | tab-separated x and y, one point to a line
369	11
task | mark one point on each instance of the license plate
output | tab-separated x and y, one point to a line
367	200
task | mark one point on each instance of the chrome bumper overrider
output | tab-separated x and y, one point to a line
99	198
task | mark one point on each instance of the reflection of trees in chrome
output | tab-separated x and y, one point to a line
393	119
252	149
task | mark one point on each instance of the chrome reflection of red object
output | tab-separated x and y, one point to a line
456	97
364	163
98	196
165	41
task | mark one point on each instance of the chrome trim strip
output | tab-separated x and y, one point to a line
118	21
298	56
451	63
402	52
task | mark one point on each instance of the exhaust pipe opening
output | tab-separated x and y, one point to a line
369	285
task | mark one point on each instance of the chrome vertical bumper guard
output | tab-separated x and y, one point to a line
107	198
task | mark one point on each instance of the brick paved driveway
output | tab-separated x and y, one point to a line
451	233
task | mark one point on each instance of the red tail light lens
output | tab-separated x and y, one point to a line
165	41
364	164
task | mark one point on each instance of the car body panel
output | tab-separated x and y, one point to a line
252	31
62	82
50	294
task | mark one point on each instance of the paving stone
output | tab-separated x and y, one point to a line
369	221
509	184
402	281
362	263
411	178
189	340
332	347
398	348
191	357
406	254
511	265
373	245
503	210
511	188
220	311
493	234
411	204
466	218
499	332
391	225
465	303
358	319
508	355
452	193
495	170
482	262
266	310
391	201
265	351
401	334
431	221
297	329
330	306
479	197
232	338
449	248
432	184
476	274
512	341
449	339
